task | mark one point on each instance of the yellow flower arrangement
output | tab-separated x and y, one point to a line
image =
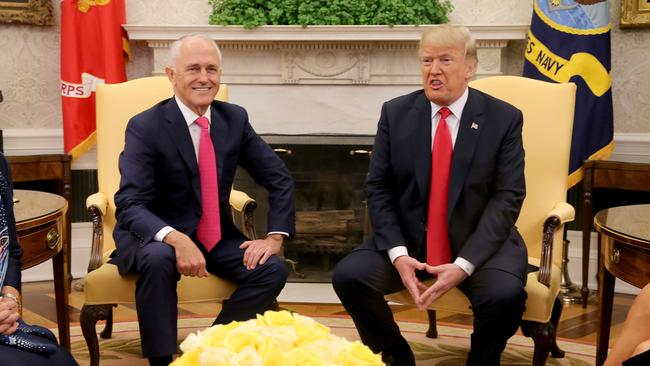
277	338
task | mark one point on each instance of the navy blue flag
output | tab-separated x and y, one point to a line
569	41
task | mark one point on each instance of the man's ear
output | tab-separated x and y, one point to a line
170	74
470	70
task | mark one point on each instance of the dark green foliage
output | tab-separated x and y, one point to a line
253	13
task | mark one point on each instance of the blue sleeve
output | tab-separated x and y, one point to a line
13	276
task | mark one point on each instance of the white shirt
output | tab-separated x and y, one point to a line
195	130
453	123
195	134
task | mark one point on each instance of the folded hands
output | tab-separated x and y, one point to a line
447	277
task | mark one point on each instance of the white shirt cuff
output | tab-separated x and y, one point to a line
395	252
278	232
160	235
465	265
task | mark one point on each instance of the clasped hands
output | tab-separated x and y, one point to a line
9	314
447	277
191	262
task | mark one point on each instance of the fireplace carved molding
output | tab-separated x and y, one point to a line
346	55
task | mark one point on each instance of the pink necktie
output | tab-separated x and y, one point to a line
438	249
209	229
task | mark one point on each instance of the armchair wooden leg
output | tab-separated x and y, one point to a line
543	335
90	315
432	332
108	328
555	320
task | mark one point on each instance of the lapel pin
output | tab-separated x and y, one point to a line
474	126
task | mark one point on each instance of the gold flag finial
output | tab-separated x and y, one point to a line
84	5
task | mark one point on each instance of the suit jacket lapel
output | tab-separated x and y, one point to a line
466	140
421	115
181	136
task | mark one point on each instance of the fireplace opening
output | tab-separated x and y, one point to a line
329	172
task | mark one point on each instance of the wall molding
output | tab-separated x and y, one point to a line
35	141
632	147
32	141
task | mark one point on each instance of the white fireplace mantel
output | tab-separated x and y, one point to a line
281	54
321	79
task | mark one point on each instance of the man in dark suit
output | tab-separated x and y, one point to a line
445	186
171	218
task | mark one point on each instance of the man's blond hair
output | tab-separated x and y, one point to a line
446	35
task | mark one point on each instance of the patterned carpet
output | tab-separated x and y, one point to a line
449	349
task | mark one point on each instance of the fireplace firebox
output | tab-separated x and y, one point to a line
328	172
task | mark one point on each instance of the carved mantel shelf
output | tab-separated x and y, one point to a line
370	55
315	32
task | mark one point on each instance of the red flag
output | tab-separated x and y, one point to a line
93	50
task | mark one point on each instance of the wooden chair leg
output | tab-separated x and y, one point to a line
108	328
543	335
556	352
90	315
432	332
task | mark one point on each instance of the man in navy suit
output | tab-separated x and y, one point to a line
160	208
483	193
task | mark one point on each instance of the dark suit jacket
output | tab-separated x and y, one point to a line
13	276
160	183
486	187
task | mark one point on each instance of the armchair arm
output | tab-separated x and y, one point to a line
559	215
244	206
96	204
99	200
564	212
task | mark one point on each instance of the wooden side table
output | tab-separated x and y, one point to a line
624	235
40	226
610	175
30	171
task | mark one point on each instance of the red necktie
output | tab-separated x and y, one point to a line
209	229
438	249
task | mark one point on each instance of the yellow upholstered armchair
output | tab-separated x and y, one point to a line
104	286
548	122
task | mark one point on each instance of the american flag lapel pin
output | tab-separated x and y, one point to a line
474	126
